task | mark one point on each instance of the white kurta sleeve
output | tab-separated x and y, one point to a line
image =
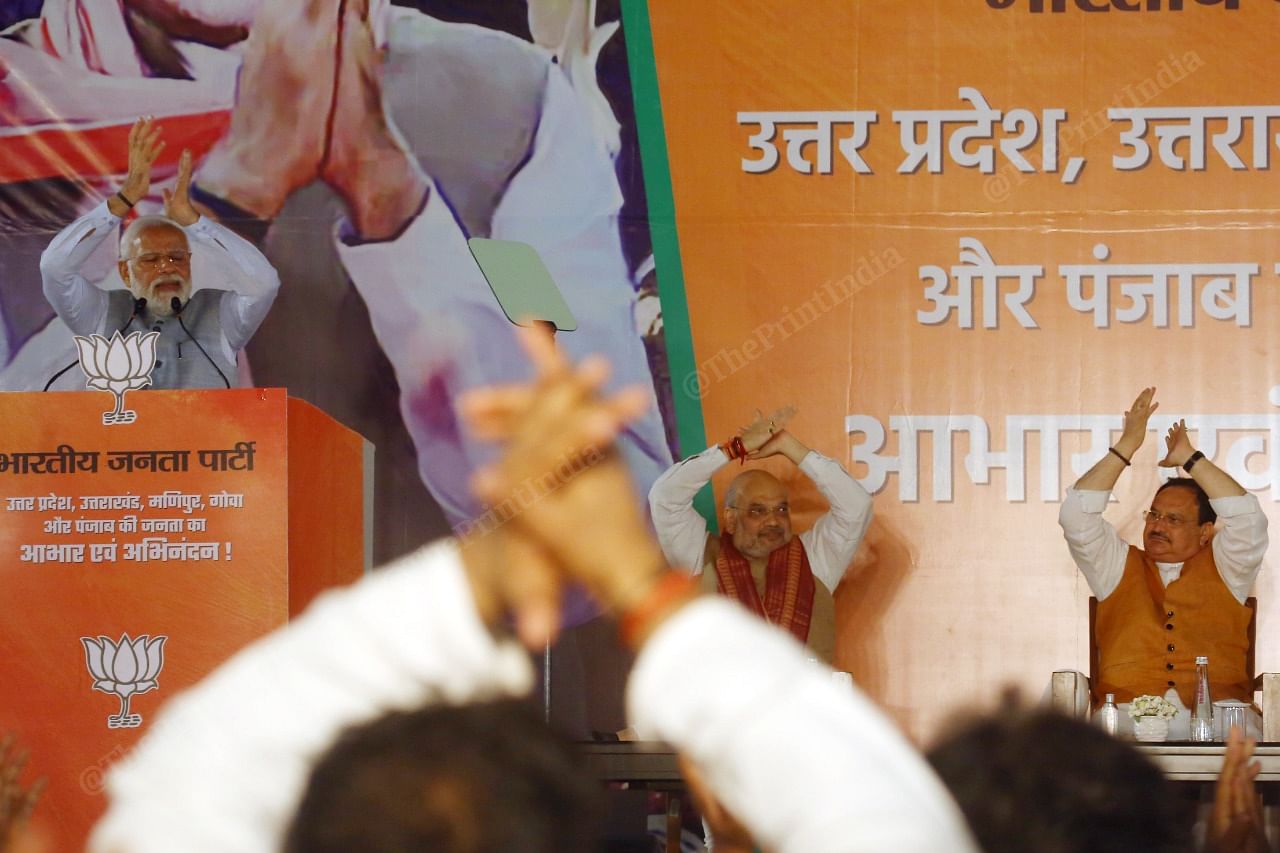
226	763
808	764
78	303
1241	542
1096	547
239	268
682	532
833	540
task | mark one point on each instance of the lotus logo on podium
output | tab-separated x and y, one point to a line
117	366
124	669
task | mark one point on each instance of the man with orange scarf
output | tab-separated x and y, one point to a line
786	579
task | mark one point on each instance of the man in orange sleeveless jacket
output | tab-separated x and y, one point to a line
1182	594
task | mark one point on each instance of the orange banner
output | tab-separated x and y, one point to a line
961	237
136	558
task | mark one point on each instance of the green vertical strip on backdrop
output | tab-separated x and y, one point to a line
666	242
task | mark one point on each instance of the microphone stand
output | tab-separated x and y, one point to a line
139	305
177	305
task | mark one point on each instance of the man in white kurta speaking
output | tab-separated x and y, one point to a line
156	255
429	132
757	559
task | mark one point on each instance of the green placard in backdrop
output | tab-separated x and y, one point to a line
521	283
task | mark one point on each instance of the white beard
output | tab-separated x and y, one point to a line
158	303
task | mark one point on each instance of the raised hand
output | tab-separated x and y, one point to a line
145	146
781	443
761	429
367	161
1177	445
16	802
561	503
285	95
1236	823
177	202
1135	421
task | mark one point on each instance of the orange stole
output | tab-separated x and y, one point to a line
788	585
1148	635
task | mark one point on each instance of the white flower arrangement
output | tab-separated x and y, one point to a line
1152	706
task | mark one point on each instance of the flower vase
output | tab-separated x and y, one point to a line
1151	729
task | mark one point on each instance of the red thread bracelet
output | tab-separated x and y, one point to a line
669	588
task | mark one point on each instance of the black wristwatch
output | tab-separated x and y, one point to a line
1191	461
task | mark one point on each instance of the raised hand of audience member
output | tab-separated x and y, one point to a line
16	802
561	502
1236	824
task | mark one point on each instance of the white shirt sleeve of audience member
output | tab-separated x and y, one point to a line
1096	547
251	281
809	765
79	304
833	540
682	532
225	764
1240	543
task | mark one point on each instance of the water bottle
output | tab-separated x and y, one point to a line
1202	713
1109	715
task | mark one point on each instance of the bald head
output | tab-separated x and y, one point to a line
757	514
749	482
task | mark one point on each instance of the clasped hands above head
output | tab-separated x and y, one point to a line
562	506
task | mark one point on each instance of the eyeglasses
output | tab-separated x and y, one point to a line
1172	520
177	257
756	512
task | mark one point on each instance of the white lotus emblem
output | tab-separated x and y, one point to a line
118	365
125	669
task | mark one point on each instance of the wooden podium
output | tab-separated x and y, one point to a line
210	520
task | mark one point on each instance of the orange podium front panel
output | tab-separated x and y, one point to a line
136	557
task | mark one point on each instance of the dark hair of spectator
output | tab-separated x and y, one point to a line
484	778
1036	780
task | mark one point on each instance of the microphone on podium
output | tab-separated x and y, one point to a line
178	305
